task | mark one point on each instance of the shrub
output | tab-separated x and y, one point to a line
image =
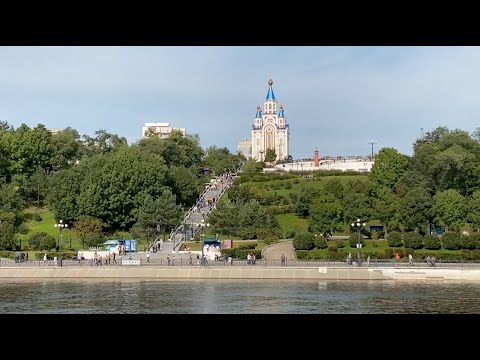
375	235
340	244
272	233
288	185
41	241
476	240
413	240
247	246
228	252
320	242
246	233
470	242
394	239
353	240
301	254
37	217
452	241
303	241
270	240
290	234
432	242
333	249
23	229
388	253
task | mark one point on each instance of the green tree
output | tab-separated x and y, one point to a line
89	230
473	215
388	169
335	187
304	241
270	155
220	160
184	184
416	209
450	209
356	205
325	214
162	212
66	148
252	166
7	233
117	183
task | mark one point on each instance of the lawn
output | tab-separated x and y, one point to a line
278	186
291	222
47	224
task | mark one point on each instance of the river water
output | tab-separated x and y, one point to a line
233	297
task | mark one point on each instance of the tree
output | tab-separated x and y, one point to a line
270	155
184	184
335	187
67	148
117	183
102	143
163	212
416	209
220	161
7	233
304	241
388	169
450	209
252	166
473	215
325	214
356	205
89	230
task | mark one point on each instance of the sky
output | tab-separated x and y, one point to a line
337	99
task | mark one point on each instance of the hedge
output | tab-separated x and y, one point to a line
303	241
242	254
452	241
413	240
394	239
432	242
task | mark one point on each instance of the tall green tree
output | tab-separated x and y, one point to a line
117	183
325	214
449	207
270	155
388	169
416	210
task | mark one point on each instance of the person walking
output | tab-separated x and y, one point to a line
282	258
410	259
45	259
148	256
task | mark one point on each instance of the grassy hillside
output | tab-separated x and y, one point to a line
281	186
47	224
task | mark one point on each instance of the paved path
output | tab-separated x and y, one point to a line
275	251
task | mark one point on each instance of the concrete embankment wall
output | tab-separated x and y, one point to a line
241	273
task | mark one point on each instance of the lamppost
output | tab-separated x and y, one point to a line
261	155
203	237
358	227
60	225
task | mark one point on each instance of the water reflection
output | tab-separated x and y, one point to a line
232	297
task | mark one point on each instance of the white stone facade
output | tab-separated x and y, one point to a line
163	130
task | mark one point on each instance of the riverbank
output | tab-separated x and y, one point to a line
241	273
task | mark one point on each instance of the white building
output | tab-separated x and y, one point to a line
245	148
270	130
163	130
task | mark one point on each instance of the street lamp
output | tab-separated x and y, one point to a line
261	155
203	237
358	227
60	225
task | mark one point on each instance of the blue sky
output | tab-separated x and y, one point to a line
335	98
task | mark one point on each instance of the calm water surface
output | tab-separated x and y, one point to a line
232	297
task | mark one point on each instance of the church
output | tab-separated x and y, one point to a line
270	129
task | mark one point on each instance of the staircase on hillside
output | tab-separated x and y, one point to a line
191	223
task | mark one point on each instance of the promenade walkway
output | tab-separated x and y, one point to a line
275	251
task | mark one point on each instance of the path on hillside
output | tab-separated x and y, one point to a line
275	251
